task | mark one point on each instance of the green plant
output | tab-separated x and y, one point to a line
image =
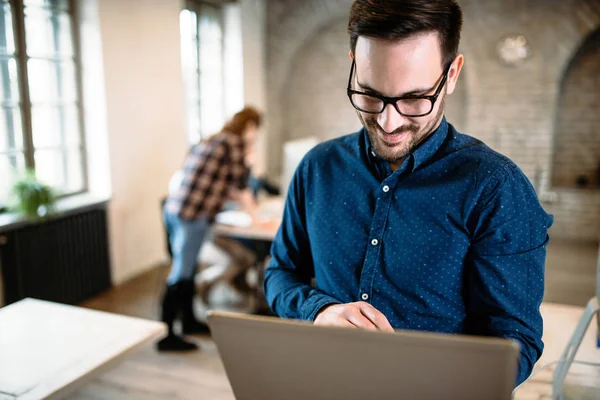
32	198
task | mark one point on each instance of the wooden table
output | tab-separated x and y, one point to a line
49	349
262	233
270	212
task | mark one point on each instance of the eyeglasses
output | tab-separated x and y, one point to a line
408	106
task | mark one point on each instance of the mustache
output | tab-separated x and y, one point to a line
401	129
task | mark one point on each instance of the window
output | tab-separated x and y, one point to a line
202	55
40	119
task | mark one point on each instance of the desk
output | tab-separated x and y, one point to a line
261	232
264	231
49	349
270	212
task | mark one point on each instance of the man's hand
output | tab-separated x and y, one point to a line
354	315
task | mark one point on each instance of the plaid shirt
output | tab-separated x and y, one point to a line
212	168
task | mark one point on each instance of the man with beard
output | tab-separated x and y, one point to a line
409	224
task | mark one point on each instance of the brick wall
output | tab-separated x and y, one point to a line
318	105
315	104
577	140
512	109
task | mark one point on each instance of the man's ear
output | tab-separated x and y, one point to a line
454	73
351	55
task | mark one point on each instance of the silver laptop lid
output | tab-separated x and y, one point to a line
275	359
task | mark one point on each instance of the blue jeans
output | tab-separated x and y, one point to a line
186	238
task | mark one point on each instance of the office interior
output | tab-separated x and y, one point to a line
131	85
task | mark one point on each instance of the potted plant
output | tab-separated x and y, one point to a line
32	198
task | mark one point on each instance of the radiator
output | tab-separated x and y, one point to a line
63	259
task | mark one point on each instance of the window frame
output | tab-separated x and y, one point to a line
21	57
195	6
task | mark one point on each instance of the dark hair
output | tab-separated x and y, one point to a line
237	123
399	19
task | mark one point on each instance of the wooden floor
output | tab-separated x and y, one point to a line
148	375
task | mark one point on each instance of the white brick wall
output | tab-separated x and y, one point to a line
511	109
576	214
577	141
315	104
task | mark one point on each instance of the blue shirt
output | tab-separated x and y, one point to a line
453	241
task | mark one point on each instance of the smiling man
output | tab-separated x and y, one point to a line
409	224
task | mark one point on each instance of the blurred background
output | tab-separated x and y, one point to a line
103	98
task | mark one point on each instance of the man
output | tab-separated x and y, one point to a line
408	223
215	170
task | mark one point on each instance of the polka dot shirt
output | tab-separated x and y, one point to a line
453	241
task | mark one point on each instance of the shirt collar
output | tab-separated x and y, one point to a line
422	153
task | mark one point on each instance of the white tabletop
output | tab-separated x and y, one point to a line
48	349
269	214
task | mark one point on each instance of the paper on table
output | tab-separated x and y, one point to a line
234	218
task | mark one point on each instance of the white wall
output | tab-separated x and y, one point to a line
145	124
134	110
94	101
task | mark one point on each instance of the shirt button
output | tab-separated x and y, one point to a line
374	242
386	188
365	297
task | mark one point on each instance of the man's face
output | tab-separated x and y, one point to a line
394	69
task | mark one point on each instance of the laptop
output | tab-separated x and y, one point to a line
268	358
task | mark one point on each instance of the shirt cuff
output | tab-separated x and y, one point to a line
314	304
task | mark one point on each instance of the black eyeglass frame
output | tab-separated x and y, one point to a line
394	100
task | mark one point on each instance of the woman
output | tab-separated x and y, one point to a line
215	171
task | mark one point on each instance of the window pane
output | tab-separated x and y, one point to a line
62	170
74	170
7	40
202	60
189	62
189	32
11	129
51	81
48	3
194	133
48	33
211	70
11	167
55	126
9	84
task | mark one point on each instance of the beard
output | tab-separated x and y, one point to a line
395	153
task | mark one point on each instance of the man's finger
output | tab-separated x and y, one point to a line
338	321
376	317
343	323
357	319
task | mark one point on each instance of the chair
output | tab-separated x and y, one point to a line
562	369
